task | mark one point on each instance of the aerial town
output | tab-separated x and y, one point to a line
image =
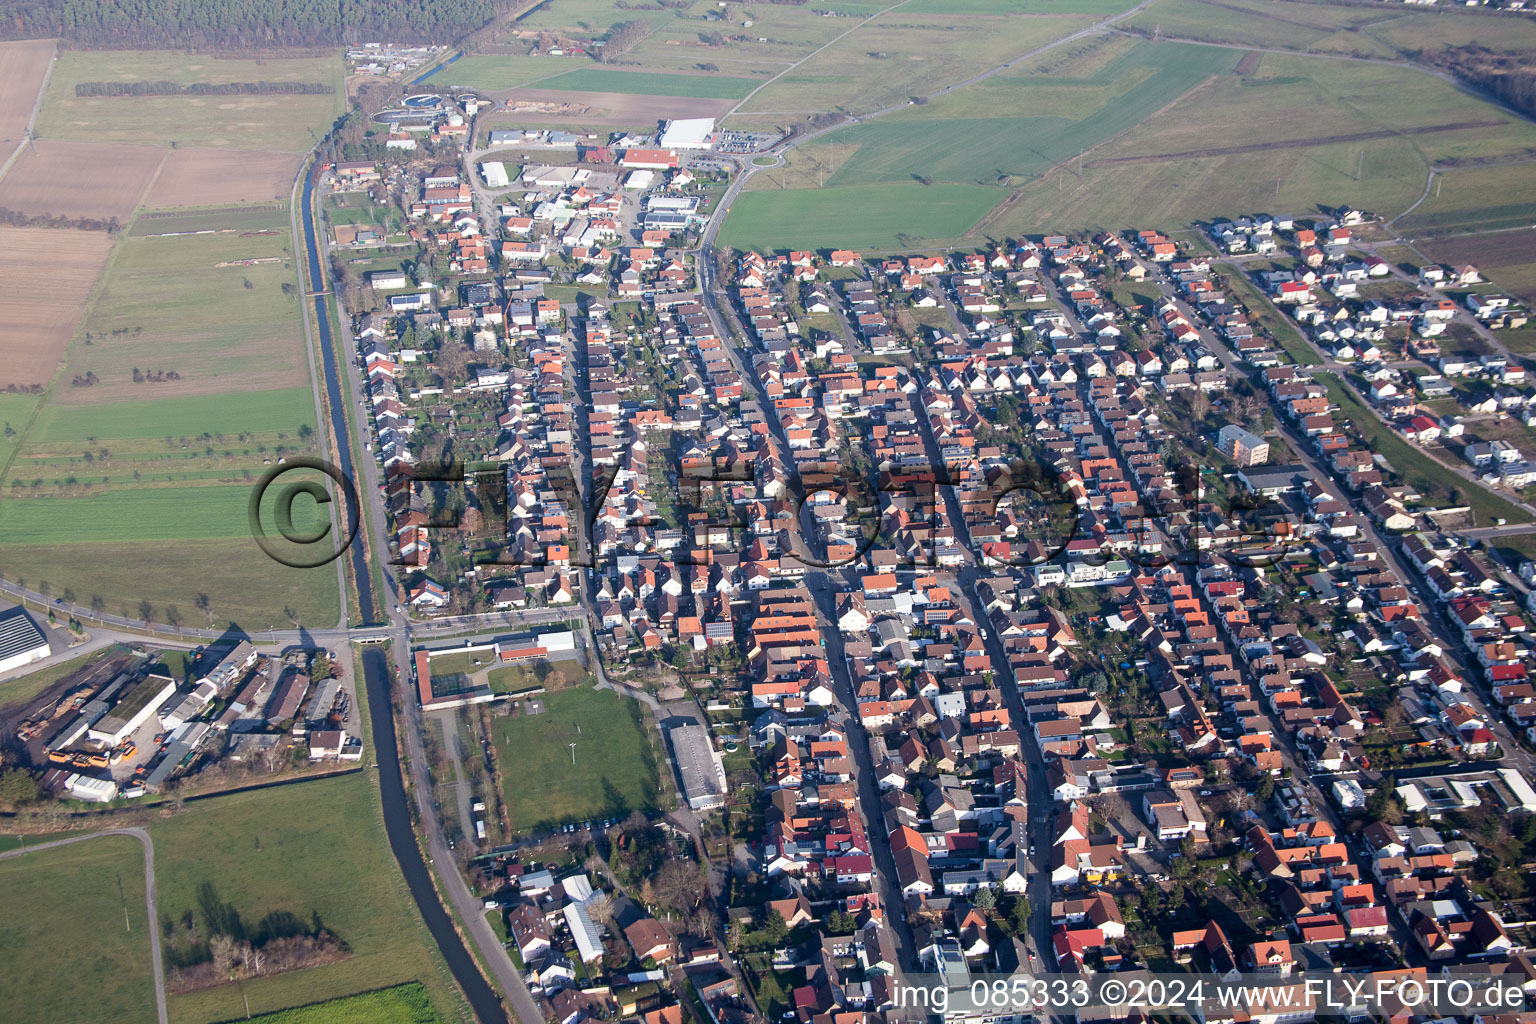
787	560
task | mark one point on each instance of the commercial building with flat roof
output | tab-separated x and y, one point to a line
689	133
133	710
698	765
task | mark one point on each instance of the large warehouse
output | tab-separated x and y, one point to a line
692	133
21	642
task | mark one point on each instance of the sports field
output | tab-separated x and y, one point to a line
869	217
715	87
616	762
310	848
267	122
75	945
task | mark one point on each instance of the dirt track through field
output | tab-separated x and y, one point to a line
1318	140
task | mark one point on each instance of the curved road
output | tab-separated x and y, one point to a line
149	895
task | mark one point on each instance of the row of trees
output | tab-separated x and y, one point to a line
128	24
202	88
17	219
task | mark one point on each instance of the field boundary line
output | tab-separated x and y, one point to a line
153	924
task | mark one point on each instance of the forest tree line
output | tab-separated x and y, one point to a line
146	24
1509	78
202	88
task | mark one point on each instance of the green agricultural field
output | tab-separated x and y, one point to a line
898	54
1476	199
616	759
717	87
243	585
493	73
169	304
314	848
252	217
1268	23
948	140
253	412
143	513
15	410
272	122
1098	8
870	217
75	945
402	1004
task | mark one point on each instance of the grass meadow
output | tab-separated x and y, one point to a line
400	1004
616	761
869	217
1476	199
75	945
952	139
310	848
168	304
286	123
901	53
715	87
494	73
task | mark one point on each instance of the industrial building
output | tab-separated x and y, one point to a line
698	765
21	642
132	710
689	133
495	174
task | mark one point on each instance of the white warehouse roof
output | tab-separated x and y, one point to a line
691	133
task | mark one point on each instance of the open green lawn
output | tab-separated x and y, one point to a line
402	1004
309	848
243	585
616	762
869	217
167	304
254	412
652	83
274	122
75	945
